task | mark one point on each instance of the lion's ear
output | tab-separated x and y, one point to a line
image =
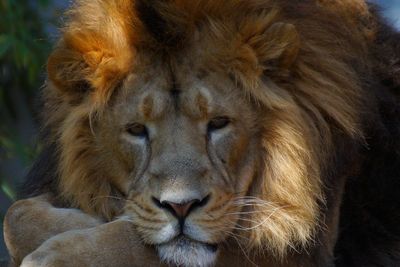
277	47
84	62
270	50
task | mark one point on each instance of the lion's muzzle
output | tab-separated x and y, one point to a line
183	251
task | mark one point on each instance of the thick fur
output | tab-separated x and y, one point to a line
323	77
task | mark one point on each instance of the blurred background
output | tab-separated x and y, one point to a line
28	29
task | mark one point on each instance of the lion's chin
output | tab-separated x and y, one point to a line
185	252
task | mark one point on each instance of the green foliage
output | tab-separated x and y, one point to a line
24	46
8	191
14	147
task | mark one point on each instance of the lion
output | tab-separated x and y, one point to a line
216	133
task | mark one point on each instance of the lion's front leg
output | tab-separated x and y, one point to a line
30	222
112	244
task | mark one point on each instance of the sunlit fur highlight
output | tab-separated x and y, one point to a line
288	63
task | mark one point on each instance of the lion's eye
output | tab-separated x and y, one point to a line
137	129
218	123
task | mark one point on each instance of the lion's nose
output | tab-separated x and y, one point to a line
181	210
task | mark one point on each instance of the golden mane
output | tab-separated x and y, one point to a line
295	59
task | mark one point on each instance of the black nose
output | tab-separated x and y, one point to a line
183	209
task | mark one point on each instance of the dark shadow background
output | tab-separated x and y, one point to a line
28	28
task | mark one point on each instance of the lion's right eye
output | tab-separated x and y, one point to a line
137	129
218	123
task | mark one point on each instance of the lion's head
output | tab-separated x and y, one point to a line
214	119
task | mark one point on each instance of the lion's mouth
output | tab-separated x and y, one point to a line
184	251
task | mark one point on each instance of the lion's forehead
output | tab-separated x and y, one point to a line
151	99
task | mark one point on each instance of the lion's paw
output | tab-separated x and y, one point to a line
57	252
47	259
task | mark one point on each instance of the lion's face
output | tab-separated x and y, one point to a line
214	119
186	149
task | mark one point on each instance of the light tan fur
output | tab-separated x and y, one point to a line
284	79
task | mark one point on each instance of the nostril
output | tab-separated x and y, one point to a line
204	201
157	202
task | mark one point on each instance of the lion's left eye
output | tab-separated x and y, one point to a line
218	123
137	129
